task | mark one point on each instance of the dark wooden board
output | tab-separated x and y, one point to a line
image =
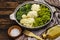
6	8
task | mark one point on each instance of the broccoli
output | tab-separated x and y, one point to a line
43	16
23	10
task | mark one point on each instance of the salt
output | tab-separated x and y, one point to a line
14	32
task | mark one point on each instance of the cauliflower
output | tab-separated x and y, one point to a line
24	16
27	22
32	14
22	21
28	25
30	20
35	7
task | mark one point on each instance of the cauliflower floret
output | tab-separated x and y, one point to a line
28	25
22	21
27	22
24	16
32	14
30	20
35	7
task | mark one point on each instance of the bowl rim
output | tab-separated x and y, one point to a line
17	8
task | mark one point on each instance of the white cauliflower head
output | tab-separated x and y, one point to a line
27	22
35	7
32	14
24	16
22	21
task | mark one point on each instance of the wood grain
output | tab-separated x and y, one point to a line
13	0
6	8
6	12
8	4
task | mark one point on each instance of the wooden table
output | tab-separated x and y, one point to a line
6	8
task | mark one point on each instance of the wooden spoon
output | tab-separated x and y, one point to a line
28	33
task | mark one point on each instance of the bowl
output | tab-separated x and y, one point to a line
14	27
13	15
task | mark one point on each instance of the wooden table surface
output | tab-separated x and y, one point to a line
6	8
